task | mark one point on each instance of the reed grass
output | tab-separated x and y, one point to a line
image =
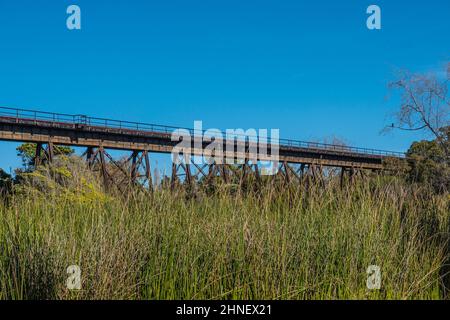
295	242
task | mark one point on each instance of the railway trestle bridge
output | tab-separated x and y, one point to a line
98	135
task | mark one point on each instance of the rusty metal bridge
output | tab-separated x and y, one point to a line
48	130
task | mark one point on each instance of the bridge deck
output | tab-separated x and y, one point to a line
78	130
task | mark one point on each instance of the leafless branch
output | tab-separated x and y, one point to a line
424	103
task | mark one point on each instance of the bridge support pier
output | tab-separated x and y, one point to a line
112	171
351	173
105	174
136	170
38	155
43	154
181	168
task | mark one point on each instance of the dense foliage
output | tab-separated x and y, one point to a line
27	152
430	162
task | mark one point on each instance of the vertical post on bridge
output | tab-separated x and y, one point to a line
37	156
257	174
302	169
90	156
223	170
133	170
211	170
187	168
308	174
313	170
148	173
41	153
174	175
352	175
244	170
50	151
286	172
342	177
101	153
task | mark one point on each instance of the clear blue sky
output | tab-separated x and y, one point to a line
310	68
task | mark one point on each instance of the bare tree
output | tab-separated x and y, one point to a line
424	103
338	142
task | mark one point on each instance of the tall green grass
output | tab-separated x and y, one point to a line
300	242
